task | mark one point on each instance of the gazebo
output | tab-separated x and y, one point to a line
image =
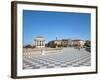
39	42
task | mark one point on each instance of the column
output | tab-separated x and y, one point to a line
40	43
43	44
36	43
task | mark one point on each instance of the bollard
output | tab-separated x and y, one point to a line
42	51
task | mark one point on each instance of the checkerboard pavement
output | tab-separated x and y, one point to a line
68	57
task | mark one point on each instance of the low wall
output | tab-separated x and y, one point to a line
39	51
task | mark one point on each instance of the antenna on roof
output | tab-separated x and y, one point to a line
56	37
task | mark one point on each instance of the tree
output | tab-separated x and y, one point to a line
28	46
87	43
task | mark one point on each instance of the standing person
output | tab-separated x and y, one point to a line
79	48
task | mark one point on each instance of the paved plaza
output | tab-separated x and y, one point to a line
67	57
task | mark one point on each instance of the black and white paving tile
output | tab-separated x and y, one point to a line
68	57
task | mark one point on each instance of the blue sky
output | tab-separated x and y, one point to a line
63	25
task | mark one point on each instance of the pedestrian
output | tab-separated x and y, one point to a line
79	48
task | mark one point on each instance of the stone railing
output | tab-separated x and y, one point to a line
39	51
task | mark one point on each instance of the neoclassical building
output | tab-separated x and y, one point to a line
66	43
78	42
39	42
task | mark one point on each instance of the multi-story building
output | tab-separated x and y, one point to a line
78	42
66	42
60	43
54	43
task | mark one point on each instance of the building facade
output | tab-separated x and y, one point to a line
54	43
66	43
78	42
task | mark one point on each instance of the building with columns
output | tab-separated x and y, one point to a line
39	42
78	42
66	43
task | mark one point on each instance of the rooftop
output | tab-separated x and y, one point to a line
39	37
